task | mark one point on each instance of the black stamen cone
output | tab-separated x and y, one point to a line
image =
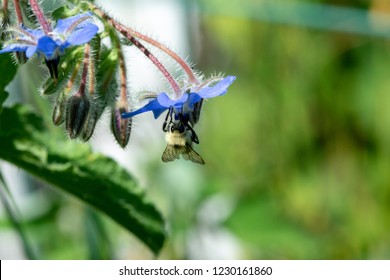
52	64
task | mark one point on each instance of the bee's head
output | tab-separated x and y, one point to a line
179	127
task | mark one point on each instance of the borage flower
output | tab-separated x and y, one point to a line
72	31
183	114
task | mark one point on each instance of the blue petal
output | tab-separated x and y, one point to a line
48	47
219	89
192	99
64	24
153	105
82	34
36	33
158	112
167	102
30	51
23	47
14	48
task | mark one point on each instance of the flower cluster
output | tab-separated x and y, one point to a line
69	32
92	76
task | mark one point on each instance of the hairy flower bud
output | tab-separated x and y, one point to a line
121	128
59	109
90	124
77	110
4	23
5	19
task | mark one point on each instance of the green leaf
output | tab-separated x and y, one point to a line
7	74
93	178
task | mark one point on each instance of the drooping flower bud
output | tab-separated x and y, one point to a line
5	19
90	123
121	128
78	106
77	110
51	86
59	108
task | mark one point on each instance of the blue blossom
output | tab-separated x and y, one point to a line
186	103
72	31
183	114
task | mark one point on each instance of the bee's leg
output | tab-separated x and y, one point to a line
194	137
166	122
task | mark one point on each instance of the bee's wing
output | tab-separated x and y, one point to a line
170	153
190	154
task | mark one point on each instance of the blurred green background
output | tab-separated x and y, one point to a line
297	153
